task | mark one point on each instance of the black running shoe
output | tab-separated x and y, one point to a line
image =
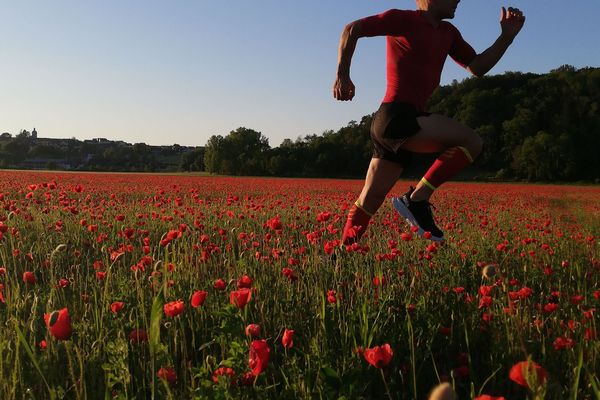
418	213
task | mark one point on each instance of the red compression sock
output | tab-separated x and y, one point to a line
356	224
448	164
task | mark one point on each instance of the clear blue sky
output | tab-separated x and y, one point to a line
164	72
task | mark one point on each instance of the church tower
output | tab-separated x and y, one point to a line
34	134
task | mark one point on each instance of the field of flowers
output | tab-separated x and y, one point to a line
154	286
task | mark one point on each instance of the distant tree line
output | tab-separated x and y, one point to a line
535	127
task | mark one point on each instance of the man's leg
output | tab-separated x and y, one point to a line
381	177
459	145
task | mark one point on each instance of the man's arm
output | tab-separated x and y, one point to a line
343	88
511	22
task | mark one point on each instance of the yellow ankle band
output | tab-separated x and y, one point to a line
426	183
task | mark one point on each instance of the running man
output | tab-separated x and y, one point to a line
418	43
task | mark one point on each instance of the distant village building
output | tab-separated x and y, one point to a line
34	134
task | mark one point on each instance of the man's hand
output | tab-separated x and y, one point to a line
343	88
511	22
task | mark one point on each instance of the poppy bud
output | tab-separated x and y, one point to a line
253	330
288	338
198	298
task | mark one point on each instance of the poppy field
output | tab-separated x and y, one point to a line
122	286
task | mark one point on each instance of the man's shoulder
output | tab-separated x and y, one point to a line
401	13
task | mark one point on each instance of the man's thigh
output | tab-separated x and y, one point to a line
437	134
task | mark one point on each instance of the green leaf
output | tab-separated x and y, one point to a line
331	377
155	317
33	359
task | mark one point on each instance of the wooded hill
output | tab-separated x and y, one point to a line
536	127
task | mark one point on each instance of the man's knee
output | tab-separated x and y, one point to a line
474	144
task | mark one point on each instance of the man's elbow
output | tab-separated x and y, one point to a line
476	71
353	29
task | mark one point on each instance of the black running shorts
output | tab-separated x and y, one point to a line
392	125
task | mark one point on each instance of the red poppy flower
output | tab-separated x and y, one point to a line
244	282
258	358
222	371
289	273
485	290
43	345
64	283
220	284
485	301
461	372
59	324
198	298
577	299
168	374
240	298
1	295
550	307
274	223
518	373
138	336
174	308
247	379
488	397
444	330
288	338
116	306
563	342
253	330
323	216
328	247
331	296
378	356
29	277
405	236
